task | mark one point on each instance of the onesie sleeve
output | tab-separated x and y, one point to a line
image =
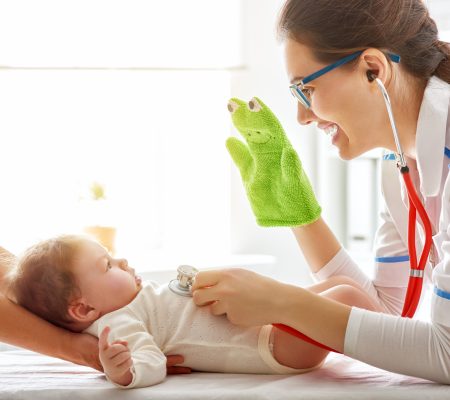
149	362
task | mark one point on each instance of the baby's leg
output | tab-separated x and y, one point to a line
295	353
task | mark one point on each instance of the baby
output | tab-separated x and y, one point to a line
73	282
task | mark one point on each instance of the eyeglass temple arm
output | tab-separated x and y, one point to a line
394	57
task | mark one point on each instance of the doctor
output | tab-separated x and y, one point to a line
348	105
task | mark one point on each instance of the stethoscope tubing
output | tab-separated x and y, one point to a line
417	271
415	282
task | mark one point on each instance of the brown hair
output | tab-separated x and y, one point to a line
42	281
333	29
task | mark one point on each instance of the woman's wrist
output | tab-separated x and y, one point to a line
80	348
316	316
317	243
288	304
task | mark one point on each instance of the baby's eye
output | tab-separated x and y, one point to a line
108	265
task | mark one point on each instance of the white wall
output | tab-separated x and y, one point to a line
263	75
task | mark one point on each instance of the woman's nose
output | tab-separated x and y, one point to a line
304	116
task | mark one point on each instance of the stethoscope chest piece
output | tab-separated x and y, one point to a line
185	279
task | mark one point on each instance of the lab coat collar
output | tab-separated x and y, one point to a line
431	135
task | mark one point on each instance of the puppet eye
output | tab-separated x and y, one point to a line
232	106
253	105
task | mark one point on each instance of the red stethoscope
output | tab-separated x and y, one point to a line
415	206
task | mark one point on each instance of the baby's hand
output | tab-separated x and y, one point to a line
115	358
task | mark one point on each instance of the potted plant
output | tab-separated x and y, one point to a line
99	216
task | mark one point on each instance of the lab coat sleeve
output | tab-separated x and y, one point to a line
149	362
397	344
408	346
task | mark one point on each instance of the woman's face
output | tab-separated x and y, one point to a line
342	98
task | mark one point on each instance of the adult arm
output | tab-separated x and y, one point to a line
21	328
393	343
24	329
7	260
250	299
326	258
317	243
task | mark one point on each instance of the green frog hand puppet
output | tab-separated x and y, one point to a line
278	189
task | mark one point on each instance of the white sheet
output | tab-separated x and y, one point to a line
26	375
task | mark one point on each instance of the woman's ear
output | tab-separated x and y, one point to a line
80	311
374	64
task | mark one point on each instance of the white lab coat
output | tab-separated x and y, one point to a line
411	347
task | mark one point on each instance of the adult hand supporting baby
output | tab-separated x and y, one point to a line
247	298
277	187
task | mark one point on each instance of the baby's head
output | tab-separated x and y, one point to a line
71	281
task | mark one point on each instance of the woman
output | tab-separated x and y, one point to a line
346	102
24	329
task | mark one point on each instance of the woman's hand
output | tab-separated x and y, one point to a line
173	367
84	350
248	299
277	187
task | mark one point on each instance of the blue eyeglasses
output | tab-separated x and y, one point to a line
303	94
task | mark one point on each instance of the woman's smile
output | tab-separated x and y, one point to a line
331	130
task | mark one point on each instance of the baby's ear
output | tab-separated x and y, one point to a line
80	311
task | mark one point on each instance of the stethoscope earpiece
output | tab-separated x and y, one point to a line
371	76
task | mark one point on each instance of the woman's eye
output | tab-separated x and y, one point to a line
308	91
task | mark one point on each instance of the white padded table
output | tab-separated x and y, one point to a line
28	376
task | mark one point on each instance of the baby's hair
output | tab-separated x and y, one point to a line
42	280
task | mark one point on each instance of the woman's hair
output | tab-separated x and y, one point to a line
42	280
333	29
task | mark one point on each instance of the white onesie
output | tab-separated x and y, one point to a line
159	322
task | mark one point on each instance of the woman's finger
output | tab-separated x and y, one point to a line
204	297
178	370
174	360
173	368
206	278
218	308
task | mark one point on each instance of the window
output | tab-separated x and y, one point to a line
130	93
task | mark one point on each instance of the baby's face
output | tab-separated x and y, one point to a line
106	283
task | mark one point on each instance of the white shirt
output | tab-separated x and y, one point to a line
391	342
159	322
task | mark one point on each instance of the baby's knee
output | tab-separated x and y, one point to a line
345	293
352	296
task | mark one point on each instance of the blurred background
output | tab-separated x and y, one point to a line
129	97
